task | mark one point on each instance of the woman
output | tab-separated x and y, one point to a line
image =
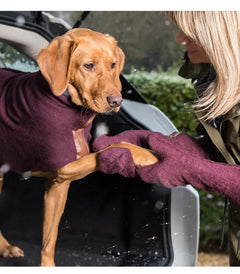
212	43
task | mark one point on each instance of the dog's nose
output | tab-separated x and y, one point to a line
114	101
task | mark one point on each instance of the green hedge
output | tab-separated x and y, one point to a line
170	93
174	95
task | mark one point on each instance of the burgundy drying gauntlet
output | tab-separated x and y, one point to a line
181	161
176	167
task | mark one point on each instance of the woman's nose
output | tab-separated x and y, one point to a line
181	37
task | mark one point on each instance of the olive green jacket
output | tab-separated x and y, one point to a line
227	144
223	144
226	138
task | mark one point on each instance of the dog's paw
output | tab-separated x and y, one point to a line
12	252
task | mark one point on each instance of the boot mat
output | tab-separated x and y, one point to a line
108	221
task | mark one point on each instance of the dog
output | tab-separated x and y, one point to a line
46	117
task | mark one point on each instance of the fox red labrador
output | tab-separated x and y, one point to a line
46	116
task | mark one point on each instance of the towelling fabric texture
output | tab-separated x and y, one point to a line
37	128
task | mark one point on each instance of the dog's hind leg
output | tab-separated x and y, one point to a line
7	250
54	203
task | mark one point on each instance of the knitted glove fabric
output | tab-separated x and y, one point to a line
176	167
117	160
137	137
185	142
140	137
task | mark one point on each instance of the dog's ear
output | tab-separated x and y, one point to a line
54	61
121	57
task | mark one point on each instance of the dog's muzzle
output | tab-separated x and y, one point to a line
114	101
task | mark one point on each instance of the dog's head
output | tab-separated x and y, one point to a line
88	63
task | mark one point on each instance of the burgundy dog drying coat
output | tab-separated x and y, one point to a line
37	129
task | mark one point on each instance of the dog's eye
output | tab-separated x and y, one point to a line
89	66
113	65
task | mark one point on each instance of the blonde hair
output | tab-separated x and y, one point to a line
217	32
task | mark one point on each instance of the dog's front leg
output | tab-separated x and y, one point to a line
54	203
7	250
89	163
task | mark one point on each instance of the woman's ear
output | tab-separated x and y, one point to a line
54	61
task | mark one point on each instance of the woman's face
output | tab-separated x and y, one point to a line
195	53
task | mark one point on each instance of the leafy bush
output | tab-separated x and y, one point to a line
174	95
170	93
